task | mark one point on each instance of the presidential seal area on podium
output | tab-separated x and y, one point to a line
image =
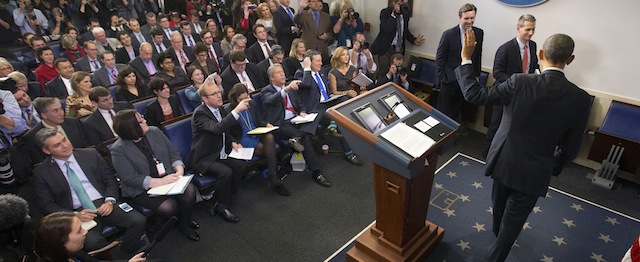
402	135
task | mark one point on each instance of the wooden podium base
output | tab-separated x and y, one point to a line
371	245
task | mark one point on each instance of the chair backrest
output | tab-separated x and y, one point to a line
186	104
112	89
63	101
141	105
619	121
257	99
178	130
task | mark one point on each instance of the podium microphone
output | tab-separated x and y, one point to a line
392	116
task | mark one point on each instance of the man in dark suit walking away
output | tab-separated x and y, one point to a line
542	124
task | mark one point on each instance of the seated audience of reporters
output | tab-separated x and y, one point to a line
130	86
165	107
174	75
341	73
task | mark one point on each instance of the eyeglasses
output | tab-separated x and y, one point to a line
214	93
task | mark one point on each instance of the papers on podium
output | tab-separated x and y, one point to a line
408	139
301	120
261	130
175	188
245	153
361	80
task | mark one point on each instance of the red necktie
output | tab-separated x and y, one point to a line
525	59
288	106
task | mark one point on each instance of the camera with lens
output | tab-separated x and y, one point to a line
353	14
404	8
252	7
216	5
400	69
363	44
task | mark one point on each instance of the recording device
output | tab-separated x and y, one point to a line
404	8
353	14
400	69
252	7
216	5
395	105
369	118
363	44
120	22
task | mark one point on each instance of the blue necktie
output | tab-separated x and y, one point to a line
323	91
316	17
223	152
76	185
288	12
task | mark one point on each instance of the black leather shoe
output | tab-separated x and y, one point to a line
354	160
227	215
320	179
294	143
194	224
190	234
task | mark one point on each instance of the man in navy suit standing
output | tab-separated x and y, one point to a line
448	58
286	29
517	55
543	121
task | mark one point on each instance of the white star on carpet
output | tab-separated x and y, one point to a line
537	209
605	238
479	227
464	163
577	207
546	259
449	212
463	245
548	195
525	226
568	222
451	174
490	210
613	221
597	257
464	198
438	186
559	240
476	184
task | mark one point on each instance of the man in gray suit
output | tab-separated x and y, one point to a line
108	74
80	180
542	124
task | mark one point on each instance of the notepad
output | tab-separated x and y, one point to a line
301	120
175	188
261	130
245	153
333	97
88	225
361	80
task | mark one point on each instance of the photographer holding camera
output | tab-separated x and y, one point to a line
361	56
346	24
397	73
11	124
29	19
394	30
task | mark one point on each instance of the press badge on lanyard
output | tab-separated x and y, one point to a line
160	167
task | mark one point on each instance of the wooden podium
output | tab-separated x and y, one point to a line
402	182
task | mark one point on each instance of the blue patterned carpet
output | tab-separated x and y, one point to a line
561	227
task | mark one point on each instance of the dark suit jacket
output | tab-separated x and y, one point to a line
56	88
132	166
35	90
383	79
309	91
201	25
122	56
283	23
310	32
52	188
388	30
134	39
540	112
138	65
207	134
75	131
274	111
254	52
96	126
263	66
211	67
154	113
196	38
82	64
508	61
101	76
147	28
291	66
448	54
229	78
187	51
